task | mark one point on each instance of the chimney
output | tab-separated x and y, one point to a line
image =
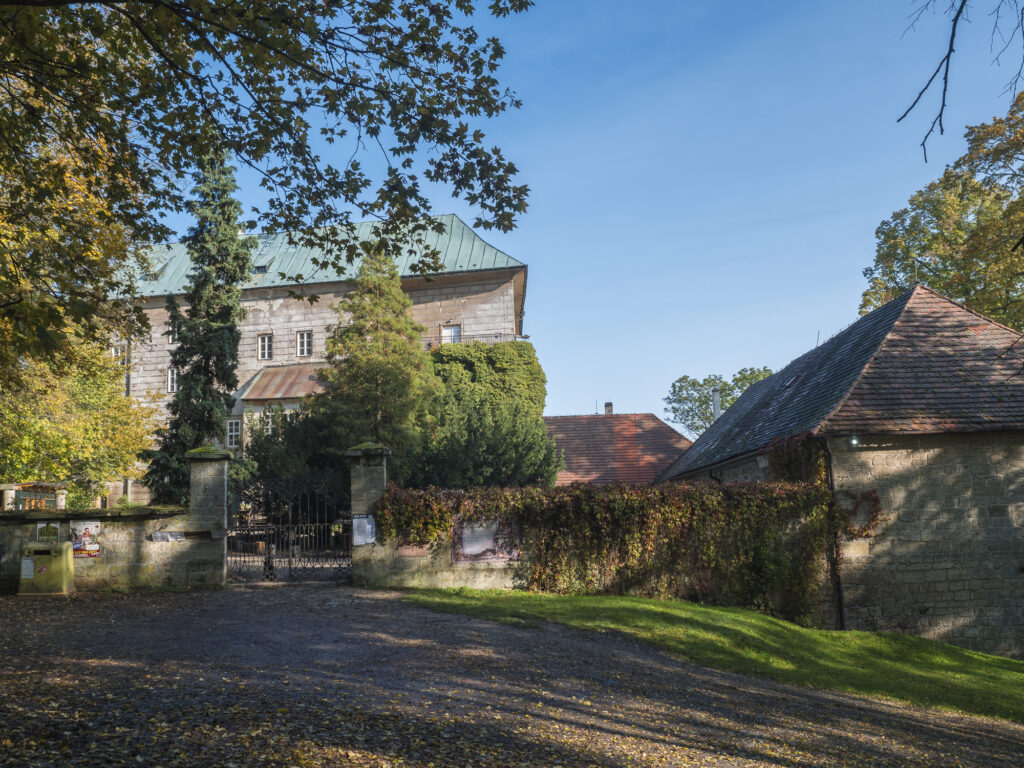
608	408
716	403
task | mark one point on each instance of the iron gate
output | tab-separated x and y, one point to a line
286	533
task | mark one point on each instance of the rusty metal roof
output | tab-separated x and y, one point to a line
284	382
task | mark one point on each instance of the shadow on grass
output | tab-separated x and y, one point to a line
901	667
318	677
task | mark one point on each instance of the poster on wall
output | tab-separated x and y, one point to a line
47	533
85	538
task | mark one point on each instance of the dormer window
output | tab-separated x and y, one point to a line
260	269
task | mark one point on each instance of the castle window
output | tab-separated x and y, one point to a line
266	346
304	343
451	334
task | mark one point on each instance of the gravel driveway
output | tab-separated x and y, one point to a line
315	675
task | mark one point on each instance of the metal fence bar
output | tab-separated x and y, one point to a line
284	533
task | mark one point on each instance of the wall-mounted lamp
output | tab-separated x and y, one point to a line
854	442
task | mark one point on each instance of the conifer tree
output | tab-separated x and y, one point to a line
207	333
379	385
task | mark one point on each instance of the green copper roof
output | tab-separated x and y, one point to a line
462	250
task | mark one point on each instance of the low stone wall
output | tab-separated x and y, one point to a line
947	562
128	554
748	469
391	565
138	546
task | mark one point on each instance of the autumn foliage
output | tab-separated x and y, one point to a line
756	545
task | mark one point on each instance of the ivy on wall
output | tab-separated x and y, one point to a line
801	459
757	545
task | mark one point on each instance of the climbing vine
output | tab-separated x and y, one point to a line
846	513
758	545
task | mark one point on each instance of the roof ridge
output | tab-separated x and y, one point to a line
625	413
964	307
906	297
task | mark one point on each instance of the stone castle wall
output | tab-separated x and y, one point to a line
484	305
948	561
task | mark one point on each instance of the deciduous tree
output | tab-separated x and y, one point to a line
72	422
690	401
958	234
341	108
66	262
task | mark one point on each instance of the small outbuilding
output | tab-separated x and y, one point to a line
919	404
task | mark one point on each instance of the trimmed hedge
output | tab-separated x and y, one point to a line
756	545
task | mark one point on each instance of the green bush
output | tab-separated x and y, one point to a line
490	426
756	545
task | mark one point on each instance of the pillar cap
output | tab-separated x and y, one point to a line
368	449
207	453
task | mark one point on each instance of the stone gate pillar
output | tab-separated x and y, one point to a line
368	463
208	511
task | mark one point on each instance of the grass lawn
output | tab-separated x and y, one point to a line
879	664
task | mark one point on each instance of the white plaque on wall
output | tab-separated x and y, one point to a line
478	538
364	530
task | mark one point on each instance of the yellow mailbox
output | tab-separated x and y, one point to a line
47	569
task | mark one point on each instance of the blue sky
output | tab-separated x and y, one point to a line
707	176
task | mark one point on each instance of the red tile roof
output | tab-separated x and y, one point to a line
920	364
606	448
941	368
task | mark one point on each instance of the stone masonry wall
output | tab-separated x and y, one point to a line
129	556
948	561
749	469
390	565
484	305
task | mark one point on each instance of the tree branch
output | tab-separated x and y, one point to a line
943	67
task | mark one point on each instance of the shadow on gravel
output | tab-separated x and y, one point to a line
346	678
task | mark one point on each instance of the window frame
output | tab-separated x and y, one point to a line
172	380
265	351
299	336
457	333
236	433
266	418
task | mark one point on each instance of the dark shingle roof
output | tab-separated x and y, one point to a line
462	250
919	364
608	448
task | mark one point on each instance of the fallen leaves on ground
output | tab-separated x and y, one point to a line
315	677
